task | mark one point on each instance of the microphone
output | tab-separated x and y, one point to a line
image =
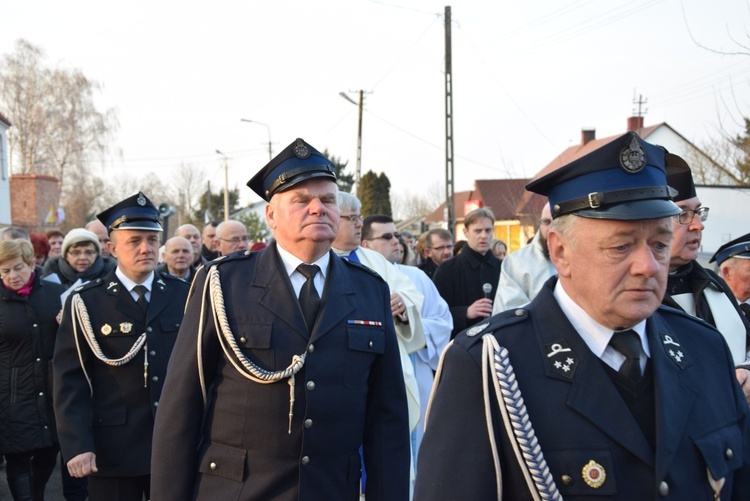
487	289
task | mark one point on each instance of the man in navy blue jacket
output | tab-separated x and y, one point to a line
593	390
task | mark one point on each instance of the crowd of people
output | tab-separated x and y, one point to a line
345	357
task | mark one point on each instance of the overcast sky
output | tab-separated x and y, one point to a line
528	76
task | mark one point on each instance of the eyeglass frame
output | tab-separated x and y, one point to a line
701	211
386	236
79	253
353	218
441	248
235	240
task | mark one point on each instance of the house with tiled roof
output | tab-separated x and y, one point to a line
5	217
516	210
662	134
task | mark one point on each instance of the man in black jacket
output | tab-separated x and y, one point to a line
468	281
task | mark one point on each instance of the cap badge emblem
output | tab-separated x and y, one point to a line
594	474
141	199
301	150
633	156
106	329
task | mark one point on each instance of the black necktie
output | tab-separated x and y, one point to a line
309	300
745	309
141	290
629	344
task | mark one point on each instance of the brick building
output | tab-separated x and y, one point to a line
34	202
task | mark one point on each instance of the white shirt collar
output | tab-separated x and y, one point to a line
129	284
291	262
594	334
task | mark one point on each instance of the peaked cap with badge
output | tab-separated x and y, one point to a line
296	163
133	213
739	248
679	178
624	179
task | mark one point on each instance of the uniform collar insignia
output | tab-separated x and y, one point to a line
673	349
111	284
477	329
561	360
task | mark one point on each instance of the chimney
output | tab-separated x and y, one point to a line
587	135
635	124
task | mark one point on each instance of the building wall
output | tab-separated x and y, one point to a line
5	212
33	198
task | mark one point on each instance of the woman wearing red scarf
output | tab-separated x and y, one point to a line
28	307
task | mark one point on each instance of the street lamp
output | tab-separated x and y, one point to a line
359	138
270	153
226	185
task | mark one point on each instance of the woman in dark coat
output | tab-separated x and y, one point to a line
28	307
81	258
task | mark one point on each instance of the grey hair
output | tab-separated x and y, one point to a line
347	201
566	226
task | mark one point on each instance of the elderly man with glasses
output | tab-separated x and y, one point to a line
691	287
231	236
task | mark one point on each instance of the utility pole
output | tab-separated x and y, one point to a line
450	211
226	185
358	172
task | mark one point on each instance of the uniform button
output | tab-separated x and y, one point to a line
213	466
310	349
308	423
45	427
370	344
38	359
566	480
156	404
729	454
177	326
519	312
149	329
35	326
311	385
155	379
243	340
305	460
41	393
664	489
152	353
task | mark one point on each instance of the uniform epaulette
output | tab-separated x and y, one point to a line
167	276
363	267
507	318
234	256
89	285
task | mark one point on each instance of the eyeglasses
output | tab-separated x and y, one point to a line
235	240
387	236
79	253
442	248
354	217
545	222
687	216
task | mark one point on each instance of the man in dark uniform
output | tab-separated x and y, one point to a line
691	287
286	364
467	282
733	260
111	356
592	390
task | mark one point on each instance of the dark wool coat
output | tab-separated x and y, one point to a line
27	338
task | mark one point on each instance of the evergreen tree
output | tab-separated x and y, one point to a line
345	181
257	230
212	205
375	194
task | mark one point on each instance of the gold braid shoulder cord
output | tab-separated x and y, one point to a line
496	364
246	367
81	317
